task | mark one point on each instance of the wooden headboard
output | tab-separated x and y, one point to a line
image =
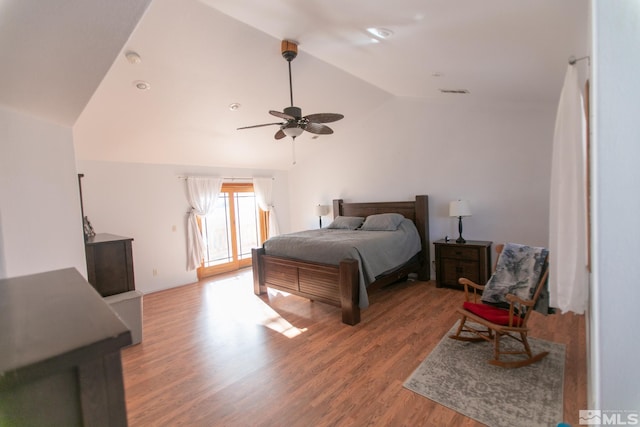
417	211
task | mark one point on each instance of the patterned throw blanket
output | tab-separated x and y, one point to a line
518	271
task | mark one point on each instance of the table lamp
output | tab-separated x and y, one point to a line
321	210
459	208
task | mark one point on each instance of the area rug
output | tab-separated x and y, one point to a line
456	374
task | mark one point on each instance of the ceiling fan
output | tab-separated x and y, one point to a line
295	123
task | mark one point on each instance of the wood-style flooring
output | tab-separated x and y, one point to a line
214	354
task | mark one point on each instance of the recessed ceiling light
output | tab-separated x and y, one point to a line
142	85
381	33
234	106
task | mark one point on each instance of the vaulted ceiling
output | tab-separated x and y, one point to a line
64	60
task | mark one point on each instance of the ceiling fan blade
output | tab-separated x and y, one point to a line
281	115
258	126
324	117
318	128
279	135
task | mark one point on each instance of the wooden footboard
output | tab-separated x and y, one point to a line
335	285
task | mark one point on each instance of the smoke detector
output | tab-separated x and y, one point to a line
133	57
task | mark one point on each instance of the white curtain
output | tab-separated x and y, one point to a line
568	274
202	193
264	195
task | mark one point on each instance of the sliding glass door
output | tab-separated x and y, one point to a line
232	230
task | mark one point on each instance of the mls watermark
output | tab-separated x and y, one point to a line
609	418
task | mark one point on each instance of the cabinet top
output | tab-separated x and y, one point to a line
48	315
106	237
452	242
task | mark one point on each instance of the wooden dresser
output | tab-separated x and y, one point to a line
454	260
60	359
110	263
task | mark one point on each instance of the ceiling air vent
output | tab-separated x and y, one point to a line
459	91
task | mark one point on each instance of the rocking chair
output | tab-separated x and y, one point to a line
508	299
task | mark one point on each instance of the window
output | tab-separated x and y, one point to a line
235	227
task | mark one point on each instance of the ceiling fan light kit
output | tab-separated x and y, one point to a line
295	123
292	131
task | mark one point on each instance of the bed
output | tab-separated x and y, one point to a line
340	283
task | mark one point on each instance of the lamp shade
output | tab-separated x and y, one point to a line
459	208
322	210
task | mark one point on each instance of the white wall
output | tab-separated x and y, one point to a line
146	202
614	343
496	156
40	222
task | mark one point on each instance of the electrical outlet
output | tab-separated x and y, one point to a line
155	272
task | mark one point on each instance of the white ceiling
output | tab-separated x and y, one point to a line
489	47
199	56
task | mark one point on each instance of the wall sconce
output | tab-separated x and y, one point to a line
321	210
459	208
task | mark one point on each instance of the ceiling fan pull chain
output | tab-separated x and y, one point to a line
293	149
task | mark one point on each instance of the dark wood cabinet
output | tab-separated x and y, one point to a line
454	260
110	263
60	360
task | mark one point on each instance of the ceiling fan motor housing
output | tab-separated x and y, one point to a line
293	112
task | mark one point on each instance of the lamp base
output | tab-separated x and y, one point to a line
460	239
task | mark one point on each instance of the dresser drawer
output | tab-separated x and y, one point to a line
471	254
452	270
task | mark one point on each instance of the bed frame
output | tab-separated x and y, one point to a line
339	284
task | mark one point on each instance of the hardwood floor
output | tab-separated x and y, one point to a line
214	354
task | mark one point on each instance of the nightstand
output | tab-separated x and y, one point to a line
454	260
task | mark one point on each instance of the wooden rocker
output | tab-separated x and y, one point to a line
509	318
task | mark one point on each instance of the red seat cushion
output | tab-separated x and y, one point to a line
496	315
